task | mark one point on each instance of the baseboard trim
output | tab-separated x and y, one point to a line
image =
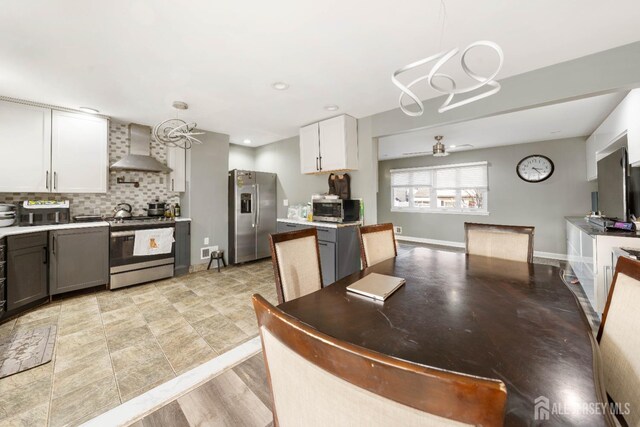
539	254
430	241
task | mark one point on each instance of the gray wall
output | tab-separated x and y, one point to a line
511	200
283	158
205	200
241	157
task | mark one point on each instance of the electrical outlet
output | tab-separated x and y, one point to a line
397	229
206	240
285	202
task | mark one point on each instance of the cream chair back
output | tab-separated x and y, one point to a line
620	341
377	243
296	263
513	243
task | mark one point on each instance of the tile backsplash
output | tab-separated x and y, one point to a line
152	185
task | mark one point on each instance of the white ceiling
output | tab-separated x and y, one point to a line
131	58
564	120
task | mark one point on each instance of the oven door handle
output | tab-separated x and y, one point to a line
123	233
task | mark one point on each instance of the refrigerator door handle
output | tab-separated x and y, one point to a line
253	206
257	205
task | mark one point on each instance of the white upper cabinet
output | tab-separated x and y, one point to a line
177	161
622	122
25	148
79	153
329	146
310	149
51	151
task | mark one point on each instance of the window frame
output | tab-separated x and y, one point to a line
433	191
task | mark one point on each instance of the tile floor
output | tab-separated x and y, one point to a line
115	345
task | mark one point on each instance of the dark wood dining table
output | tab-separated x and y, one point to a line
512	321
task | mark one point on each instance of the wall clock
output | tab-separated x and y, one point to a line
535	168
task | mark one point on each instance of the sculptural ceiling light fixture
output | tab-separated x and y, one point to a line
439	60
177	132
439	150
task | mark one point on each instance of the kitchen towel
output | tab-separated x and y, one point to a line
155	241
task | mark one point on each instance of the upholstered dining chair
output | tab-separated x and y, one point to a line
619	340
510	242
318	380
377	243
296	263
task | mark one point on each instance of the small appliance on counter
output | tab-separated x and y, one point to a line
43	212
8	215
336	210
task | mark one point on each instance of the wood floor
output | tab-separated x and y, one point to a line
237	397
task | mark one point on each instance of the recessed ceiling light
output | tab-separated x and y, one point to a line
452	146
331	107
247	141
88	110
280	86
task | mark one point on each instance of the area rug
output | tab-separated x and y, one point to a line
26	349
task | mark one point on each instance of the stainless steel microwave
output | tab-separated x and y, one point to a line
336	210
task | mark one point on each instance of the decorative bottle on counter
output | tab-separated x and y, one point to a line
177	210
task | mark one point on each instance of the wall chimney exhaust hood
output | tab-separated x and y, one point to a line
139	157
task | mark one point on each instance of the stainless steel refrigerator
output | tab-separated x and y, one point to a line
252	214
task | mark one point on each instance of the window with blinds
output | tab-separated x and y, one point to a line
461	188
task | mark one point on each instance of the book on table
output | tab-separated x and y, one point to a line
376	286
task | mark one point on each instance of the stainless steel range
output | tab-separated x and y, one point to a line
128	269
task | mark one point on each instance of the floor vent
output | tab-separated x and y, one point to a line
205	253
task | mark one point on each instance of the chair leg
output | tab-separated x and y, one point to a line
218	262
224	264
210	261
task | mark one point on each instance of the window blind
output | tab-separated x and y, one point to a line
462	177
453	177
411	178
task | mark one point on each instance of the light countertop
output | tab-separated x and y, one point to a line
319	223
16	229
593	231
182	218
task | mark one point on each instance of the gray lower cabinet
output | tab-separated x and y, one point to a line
79	259
183	248
339	250
27	259
327	261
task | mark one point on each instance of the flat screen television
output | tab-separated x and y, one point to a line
613	185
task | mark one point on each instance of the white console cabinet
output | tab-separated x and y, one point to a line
589	254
